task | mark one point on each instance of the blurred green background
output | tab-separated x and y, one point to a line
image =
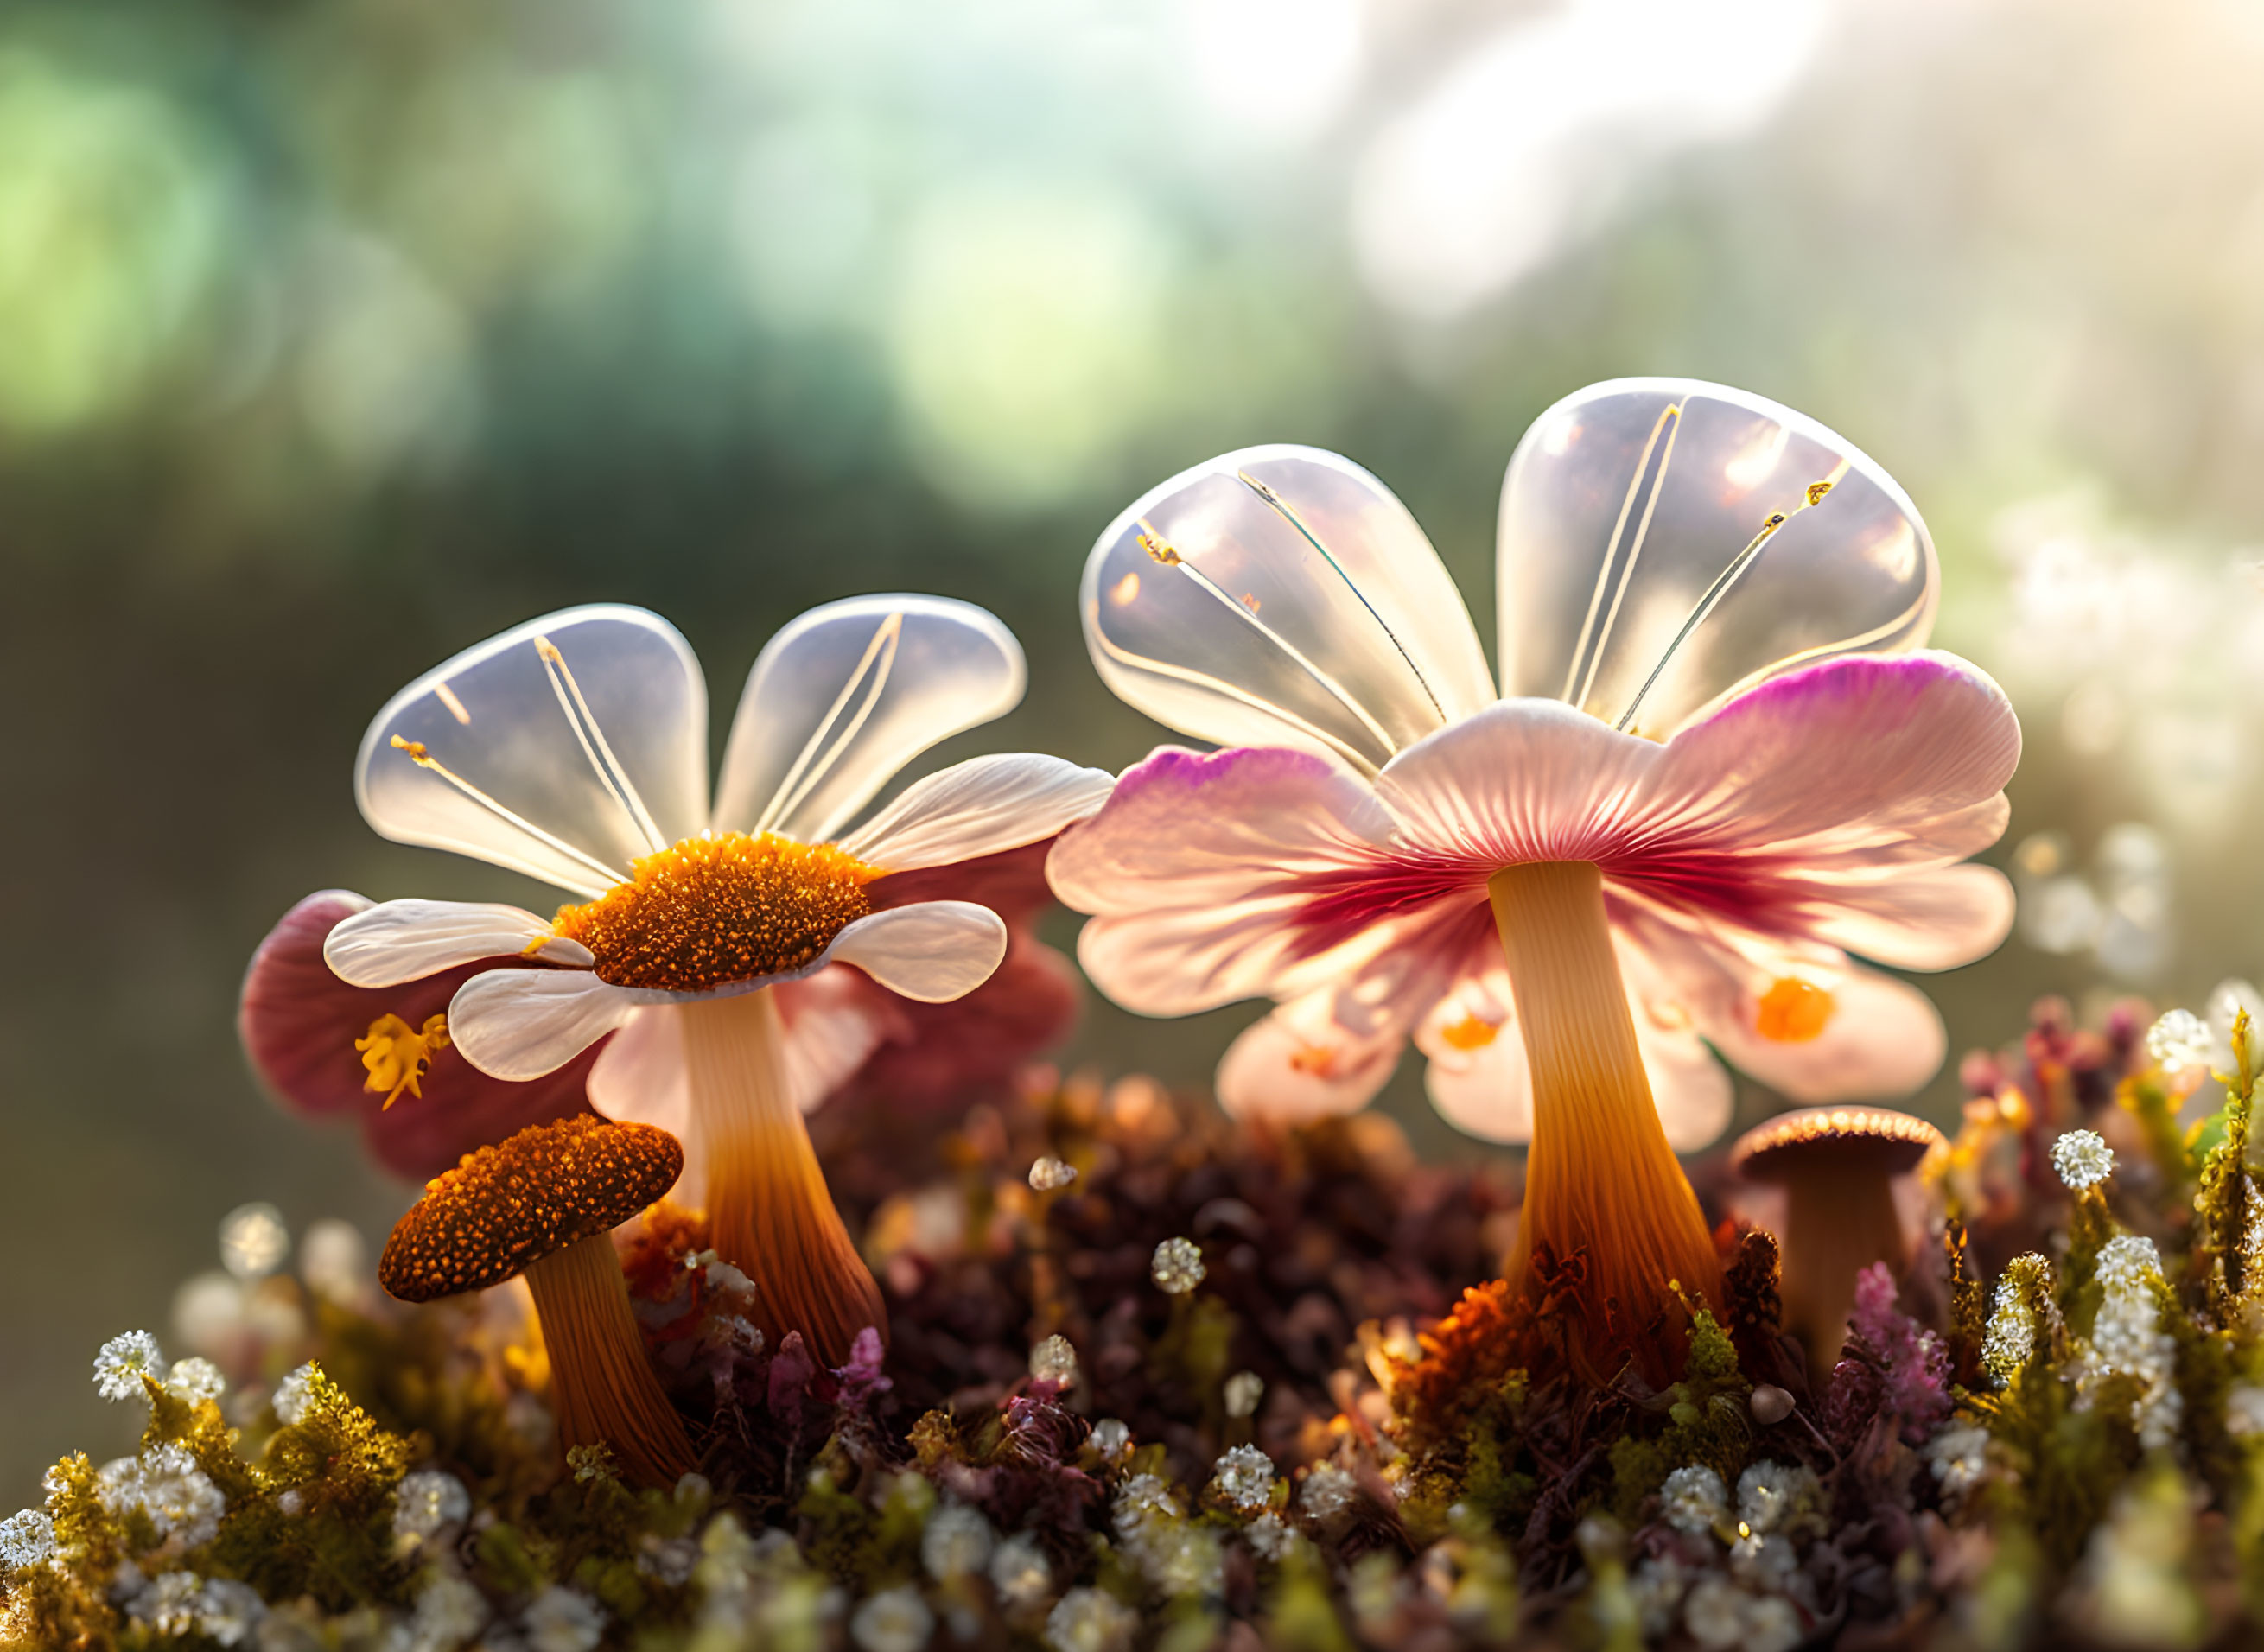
336	337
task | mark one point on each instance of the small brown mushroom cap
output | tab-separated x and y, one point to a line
1842	1138
505	1208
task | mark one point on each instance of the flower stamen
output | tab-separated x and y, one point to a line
1793	1010
1470	1034
415	752
584	722
397	1054
712	911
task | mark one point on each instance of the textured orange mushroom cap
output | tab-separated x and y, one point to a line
504	1208
1870	1139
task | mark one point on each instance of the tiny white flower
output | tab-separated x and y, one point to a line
1090	1621
1693	1500
2179	1040
26	1538
1178	1266
669	1560
1054	1360
957	1541
230	1611
1244	1390
894	1620
1328	1489
195	1380
1111	1436
1020	1571
2082	1158
1244	1478
169	1605
1960	1456
449	1612
1268	1536
123	1361
294	1394
562	1620
426	1501
1770	1495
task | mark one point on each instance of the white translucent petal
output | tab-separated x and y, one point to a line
1624	579
932	952
1298	1063
847	694
520	1024
1282	596
386	945
586	760
640	1078
979	807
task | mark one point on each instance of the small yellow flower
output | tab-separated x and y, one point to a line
397	1054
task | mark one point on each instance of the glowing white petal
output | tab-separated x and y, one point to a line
408	941
932	952
978	807
520	1024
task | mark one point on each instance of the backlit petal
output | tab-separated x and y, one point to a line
845	696
589	755
933	952
979	807
406	940
1296	1064
1282	596
521	1023
1194	871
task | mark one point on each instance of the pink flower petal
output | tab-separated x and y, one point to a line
1194	872
1297	1064
299	1023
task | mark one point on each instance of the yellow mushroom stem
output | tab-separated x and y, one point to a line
1840	1218
1600	1182
602	1388
769	1211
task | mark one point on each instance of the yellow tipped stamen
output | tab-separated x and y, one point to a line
415	752
1470	1034
1600	1179
584	722
1793	1010
397	1054
713	910
1159	547
811	766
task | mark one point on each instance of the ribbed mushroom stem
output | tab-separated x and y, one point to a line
769	1211
1839	1219
1600	1182
601	1386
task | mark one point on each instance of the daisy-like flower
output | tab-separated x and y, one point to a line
1721	766
573	749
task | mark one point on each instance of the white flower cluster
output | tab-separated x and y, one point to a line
426	1501
1329	1490
1694	1501
1179	1557
195	1380
220	1609
1244	1478
957	1542
562	1620
449	1611
1090	1621
1110	1438
165	1484
2180	1040
2127	1339
121	1363
1753	1596
1959	1456
2082	1159
894	1620
26	1538
1021	1572
294	1394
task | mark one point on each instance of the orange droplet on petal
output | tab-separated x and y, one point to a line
1792	1010
1470	1034
1318	1060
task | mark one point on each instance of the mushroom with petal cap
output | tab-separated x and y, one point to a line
1837	1166
541	1204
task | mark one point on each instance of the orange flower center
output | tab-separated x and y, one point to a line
1469	1033
1792	1010
715	910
